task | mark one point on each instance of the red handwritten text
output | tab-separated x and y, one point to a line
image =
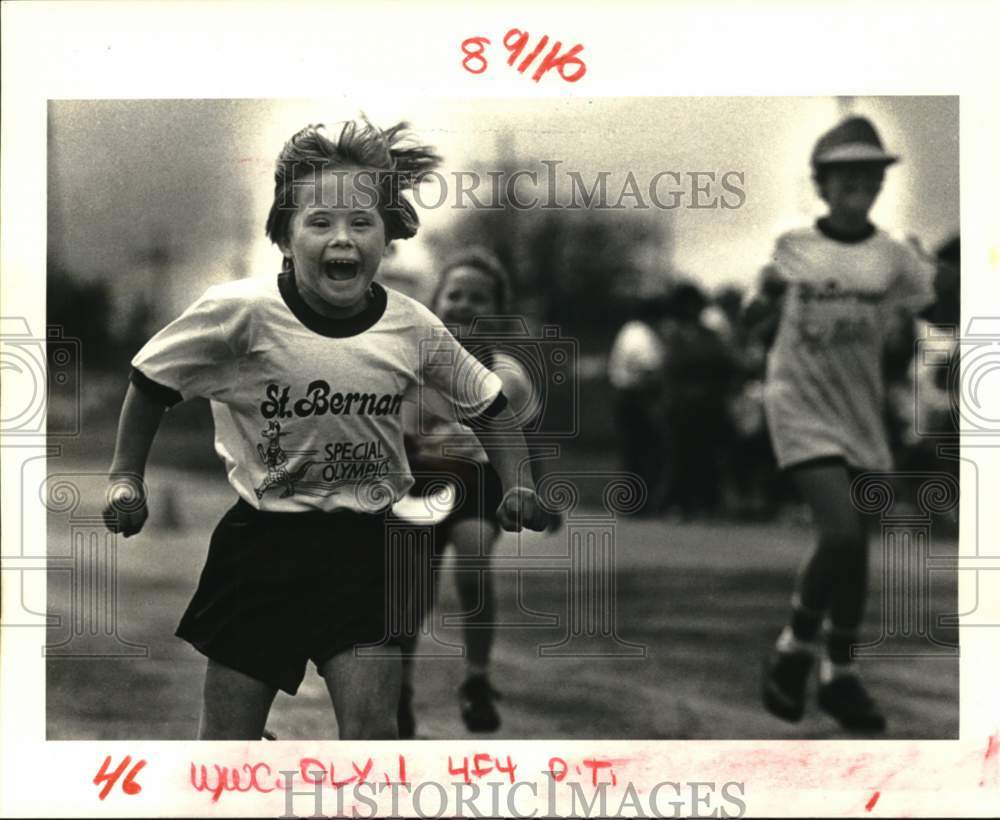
568	65
236	779
216	780
474	62
480	766
310	767
129	786
559	769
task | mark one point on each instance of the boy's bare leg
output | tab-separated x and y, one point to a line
365	694
834	576
234	705
474	539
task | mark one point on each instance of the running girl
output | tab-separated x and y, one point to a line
473	285
305	372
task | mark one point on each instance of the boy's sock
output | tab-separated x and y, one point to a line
787	642
829	670
802	629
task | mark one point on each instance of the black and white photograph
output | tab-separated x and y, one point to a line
701	315
415	416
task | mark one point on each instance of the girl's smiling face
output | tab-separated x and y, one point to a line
467	292
336	240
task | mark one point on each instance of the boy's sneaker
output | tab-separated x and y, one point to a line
786	677
845	699
406	723
476	700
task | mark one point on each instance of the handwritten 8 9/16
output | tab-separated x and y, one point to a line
570	67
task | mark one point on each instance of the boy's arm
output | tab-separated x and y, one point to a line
520	506
140	419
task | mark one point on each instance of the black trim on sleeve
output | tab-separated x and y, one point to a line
326	325
495	409
163	394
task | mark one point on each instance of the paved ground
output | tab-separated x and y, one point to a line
698	603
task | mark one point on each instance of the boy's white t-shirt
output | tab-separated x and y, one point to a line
825	392
307	409
637	355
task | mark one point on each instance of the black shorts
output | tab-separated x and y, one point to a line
478	487
280	589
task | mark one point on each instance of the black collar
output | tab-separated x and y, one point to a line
848	238
325	325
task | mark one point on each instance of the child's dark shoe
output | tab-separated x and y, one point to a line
477	702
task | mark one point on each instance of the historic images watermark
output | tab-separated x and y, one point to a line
548	186
522	799
37	371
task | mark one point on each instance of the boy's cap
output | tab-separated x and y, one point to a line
854	140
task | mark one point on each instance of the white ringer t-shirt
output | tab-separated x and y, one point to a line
824	392
308	409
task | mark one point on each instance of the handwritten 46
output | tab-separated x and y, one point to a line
109	779
570	67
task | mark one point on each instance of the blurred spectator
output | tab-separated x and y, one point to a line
635	370
753	474
922	395
700	369
925	401
945	310
730	301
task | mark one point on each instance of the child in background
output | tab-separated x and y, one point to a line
306	373
473	285
845	286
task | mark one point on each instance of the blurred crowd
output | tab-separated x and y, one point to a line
688	373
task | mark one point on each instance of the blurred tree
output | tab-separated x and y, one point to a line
83	310
579	268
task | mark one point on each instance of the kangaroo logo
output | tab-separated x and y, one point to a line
275	459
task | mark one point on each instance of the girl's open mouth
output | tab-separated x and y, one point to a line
341	270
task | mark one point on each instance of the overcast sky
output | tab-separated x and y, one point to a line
197	175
